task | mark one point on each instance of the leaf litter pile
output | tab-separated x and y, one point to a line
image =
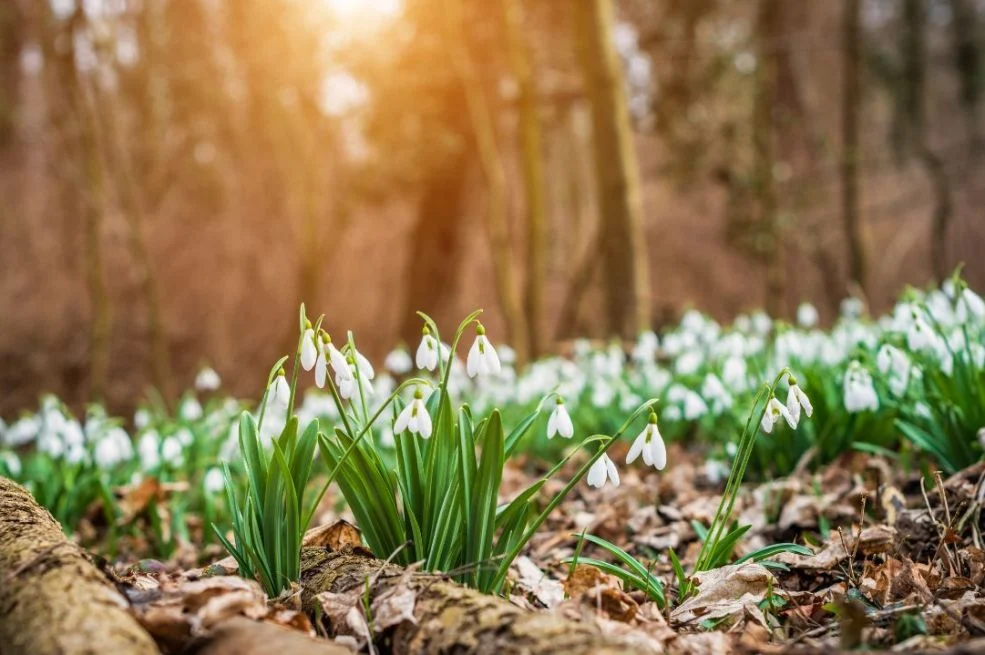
895	567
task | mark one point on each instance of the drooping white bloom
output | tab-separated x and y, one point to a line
427	352
11	462
482	357
280	390
694	406
895	366
213	482
23	431
207	379
321	363
715	392
920	336
337	360
775	410
350	384
149	449
807	316
191	409
115	447
309	349
172	452
414	418
366	369
852	308
398	361
560	421
141	418
797	400
650	445
973	303
603	469
860	393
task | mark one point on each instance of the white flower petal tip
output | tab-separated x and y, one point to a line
482	358
414	418
426	357
559	422
309	350
604	469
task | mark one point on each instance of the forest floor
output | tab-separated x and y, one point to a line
895	567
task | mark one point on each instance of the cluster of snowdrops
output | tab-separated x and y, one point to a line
417	449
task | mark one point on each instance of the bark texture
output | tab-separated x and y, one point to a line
52	599
449	618
243	636
625	262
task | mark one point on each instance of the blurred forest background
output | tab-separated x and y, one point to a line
176	175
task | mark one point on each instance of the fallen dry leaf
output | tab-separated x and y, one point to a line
334	536
728	591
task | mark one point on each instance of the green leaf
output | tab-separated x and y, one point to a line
769	551
482	517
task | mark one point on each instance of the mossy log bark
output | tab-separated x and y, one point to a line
449	618
243	636
53	600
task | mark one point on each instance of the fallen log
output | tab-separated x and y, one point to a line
53	600
408	612
243	636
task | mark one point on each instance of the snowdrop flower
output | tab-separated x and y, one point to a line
321	362
398	362
560	421
797	400
735	373
338	361
366	370
149	449
920	336
482	357
309	349
507	355
414	418
207	380
860	393
807	316
645	349
688	363
694	406
11	462
213	482
349	385
650	444
191	409
23	431
973	303
775	410
603	469
280	390
141	418
852	308
113	449
172	452
427	352
713	389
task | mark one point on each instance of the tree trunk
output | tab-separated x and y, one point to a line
533	173
431	281
768	27
243	636
52	599
851	99
73	121
484	128
968	63
623	242
448	618
914	53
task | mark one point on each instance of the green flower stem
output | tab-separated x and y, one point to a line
366	429
504	565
